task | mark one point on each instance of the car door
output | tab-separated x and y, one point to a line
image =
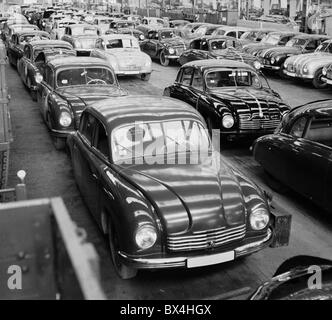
24	63
311	159
180	89
45	89
85	163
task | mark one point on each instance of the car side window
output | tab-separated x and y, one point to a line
298	127
195	44
320	130
204	45
186	76
311	45
87	127
197	82
101	141
231	34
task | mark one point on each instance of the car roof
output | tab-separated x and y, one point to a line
318	108
127	109
50	42
286	32
217	63
208	38
23	32
312	36
116	36
76	61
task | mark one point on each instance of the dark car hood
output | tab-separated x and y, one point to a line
275	51
256	47
177	41
190	198
89	93
231	54
240	94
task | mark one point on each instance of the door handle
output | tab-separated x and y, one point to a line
94	176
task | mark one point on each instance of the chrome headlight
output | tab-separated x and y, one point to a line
43	24
141	37
257	65
146	236
227	121
65	119
273	60
305	69
259	219
324	72
171	50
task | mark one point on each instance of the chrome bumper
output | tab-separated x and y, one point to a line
295	75
182	262
172	56
328	81
270	67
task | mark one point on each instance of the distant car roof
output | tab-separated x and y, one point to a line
312	36
36	32
51	42
117	36
77	61
218	63
133	108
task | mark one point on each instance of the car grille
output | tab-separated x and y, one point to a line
262	116
201	240
267	61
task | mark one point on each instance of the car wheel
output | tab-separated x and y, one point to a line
33	93
123	271
163	60
275	184
59	143
17	64
317	82
281	72
145	76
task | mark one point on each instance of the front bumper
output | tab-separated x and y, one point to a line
296	75
184	261
328	81
270	67
172	56
61	133
132	72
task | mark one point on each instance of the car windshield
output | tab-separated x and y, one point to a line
32	37
37	51
296	42
325	47
83	30
125	25
166	34
271	39
87	43
149	139
84	75
249	35
218	45
122	43
232	78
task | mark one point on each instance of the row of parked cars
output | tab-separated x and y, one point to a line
138	160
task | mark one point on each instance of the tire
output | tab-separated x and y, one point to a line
123	271
163	60
59	143
317	81
33	93
145	76
4	165
275	184
17	62
281	73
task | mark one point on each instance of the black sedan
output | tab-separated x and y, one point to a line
231	96
220	47
273	58
148	172
66	86
299	154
